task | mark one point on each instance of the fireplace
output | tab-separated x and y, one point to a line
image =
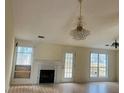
46	76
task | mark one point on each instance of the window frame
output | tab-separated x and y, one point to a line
107	63
16	65
72	65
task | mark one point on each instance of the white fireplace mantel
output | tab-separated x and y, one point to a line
56	65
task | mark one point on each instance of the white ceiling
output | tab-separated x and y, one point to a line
54	19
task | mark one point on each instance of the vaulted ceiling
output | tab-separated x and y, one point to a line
54	19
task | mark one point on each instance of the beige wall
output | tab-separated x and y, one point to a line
9	42
48	52
117	66
81	67
83	63
54	52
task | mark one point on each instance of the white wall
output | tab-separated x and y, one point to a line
9	42
54	53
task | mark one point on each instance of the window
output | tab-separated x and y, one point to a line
23	62
68	65
23	56
98	65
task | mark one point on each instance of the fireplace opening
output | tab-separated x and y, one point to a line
46	76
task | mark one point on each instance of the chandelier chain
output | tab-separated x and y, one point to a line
80	33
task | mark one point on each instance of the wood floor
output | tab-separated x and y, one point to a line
103	87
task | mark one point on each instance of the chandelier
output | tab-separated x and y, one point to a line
80	33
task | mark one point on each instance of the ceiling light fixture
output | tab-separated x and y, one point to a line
115	44
80	33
